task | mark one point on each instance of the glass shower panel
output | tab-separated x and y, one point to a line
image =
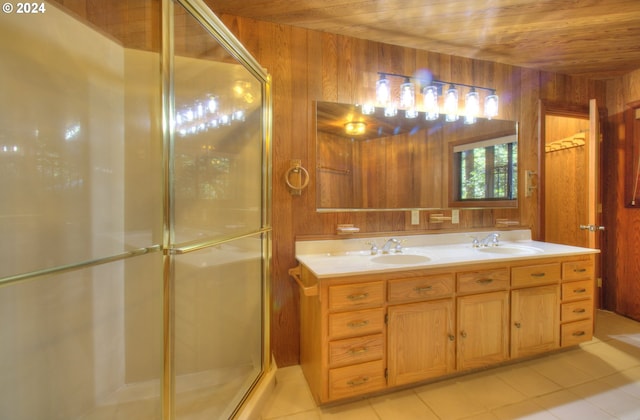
218	326
65	349
80	137
218	138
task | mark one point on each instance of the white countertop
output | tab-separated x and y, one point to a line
343	257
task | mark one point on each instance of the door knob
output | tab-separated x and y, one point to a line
591	228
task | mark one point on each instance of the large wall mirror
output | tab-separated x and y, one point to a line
369	161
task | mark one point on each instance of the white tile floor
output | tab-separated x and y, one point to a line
598	380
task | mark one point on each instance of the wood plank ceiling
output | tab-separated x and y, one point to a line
598	39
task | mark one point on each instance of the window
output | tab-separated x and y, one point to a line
485	173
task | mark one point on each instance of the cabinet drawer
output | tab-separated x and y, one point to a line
577	270
355	323
352	296
483	280
355	380
420	288
577	290
576	332
534	275
355	350
573	311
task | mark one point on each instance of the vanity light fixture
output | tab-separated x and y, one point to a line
431	91
355	128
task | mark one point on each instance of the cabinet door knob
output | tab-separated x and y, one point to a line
463	334
451	337
517	324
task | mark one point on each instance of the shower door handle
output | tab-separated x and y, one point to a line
591	228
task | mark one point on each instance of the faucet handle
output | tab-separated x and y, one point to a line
475	242
374	247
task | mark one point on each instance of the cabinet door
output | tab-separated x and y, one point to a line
483	329
421	341
535	320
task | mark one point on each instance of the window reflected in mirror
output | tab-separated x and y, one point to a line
488	170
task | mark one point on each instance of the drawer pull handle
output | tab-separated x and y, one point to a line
484	281
423	289
358	297
538	274
517	324
578	333
358	350
583	290
358	324
579	270
579	311
360	381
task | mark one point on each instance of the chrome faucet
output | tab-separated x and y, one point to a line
374	247
490	240
393	242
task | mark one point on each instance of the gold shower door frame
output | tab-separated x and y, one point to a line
171	250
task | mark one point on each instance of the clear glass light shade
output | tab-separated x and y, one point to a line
383	91
431	103
491	106
411	113
391	110
368	108
471	107
451	104
407	95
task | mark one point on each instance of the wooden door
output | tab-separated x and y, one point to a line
535	320
483	329
421	341
571	203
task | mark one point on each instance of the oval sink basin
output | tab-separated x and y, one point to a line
511	250
400	259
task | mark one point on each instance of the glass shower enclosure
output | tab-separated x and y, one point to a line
134	213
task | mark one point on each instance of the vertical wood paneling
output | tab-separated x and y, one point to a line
320	66
622	264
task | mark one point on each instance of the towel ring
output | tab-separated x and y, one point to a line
297	169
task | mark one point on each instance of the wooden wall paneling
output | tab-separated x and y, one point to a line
333	68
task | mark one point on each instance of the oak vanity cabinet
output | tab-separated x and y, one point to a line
364	333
